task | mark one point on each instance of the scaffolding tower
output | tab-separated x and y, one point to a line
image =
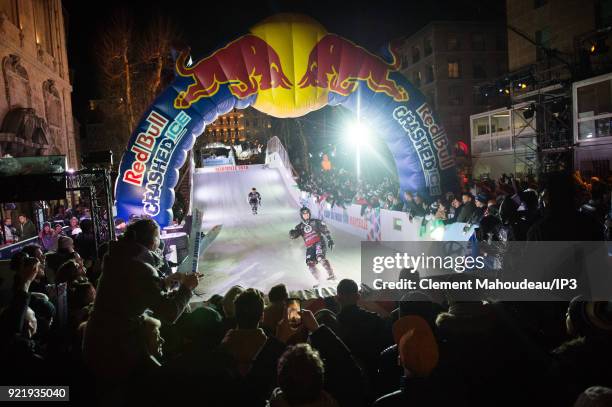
547	111
95	186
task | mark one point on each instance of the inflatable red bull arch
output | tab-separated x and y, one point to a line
286	66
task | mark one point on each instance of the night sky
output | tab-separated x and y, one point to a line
204	25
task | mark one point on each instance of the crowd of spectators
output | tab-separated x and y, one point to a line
25	229
513	209
62	222
504	209
130	337
341	188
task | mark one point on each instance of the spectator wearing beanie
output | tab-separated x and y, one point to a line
243	342
127	287
411	304
596	396
479	210
47	237
418	349
584	360
418	356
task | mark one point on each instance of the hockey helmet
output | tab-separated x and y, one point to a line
304	210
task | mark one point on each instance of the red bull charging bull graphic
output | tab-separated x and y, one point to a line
260	70
339	65
286	66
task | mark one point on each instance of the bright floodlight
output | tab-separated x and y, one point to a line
358	133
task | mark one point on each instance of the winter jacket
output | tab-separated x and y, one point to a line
365	334
127	287
26	230
467	211
578	364
48	241
243	345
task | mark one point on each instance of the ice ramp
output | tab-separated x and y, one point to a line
255	250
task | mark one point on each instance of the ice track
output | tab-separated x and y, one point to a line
255	250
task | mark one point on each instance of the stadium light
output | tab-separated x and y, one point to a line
357	133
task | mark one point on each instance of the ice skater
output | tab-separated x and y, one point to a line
254	200
315	234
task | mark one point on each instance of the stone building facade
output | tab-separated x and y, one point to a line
35	90
447	61
238	126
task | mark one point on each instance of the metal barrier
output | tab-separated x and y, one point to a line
6	252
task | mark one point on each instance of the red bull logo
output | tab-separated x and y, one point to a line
339	65
247	65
